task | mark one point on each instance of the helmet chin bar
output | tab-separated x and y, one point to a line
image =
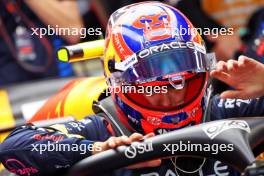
244	133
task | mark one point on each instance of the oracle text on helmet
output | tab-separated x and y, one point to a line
164	47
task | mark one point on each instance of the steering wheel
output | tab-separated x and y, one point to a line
244	133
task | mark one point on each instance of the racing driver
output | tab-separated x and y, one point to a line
147	44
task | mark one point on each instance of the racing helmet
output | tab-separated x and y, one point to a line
156	65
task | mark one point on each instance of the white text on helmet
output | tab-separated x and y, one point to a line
164	47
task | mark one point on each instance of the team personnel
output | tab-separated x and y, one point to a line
26	54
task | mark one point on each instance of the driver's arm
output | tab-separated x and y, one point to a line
229	108
52	150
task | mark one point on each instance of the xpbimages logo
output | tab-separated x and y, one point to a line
56	30
192	147
62	147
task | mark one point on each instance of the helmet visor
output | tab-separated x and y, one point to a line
166	63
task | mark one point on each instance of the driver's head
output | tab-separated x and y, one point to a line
156	58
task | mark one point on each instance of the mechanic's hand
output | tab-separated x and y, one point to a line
225	46
114	142
246	76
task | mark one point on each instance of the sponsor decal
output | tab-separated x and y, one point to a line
126	63
218	127
62	167
132	119
169	172
40	137
138	148
162	131
193	112
17	167
154	120
232	103
164	47
77	125
221	169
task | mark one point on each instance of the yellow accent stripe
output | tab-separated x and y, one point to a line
1	167
80	100
2	137
261	156
6	115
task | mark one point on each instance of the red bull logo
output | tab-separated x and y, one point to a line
155	27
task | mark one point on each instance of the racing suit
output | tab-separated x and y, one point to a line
23	150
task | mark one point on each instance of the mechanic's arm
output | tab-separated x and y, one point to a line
63	13
246	76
